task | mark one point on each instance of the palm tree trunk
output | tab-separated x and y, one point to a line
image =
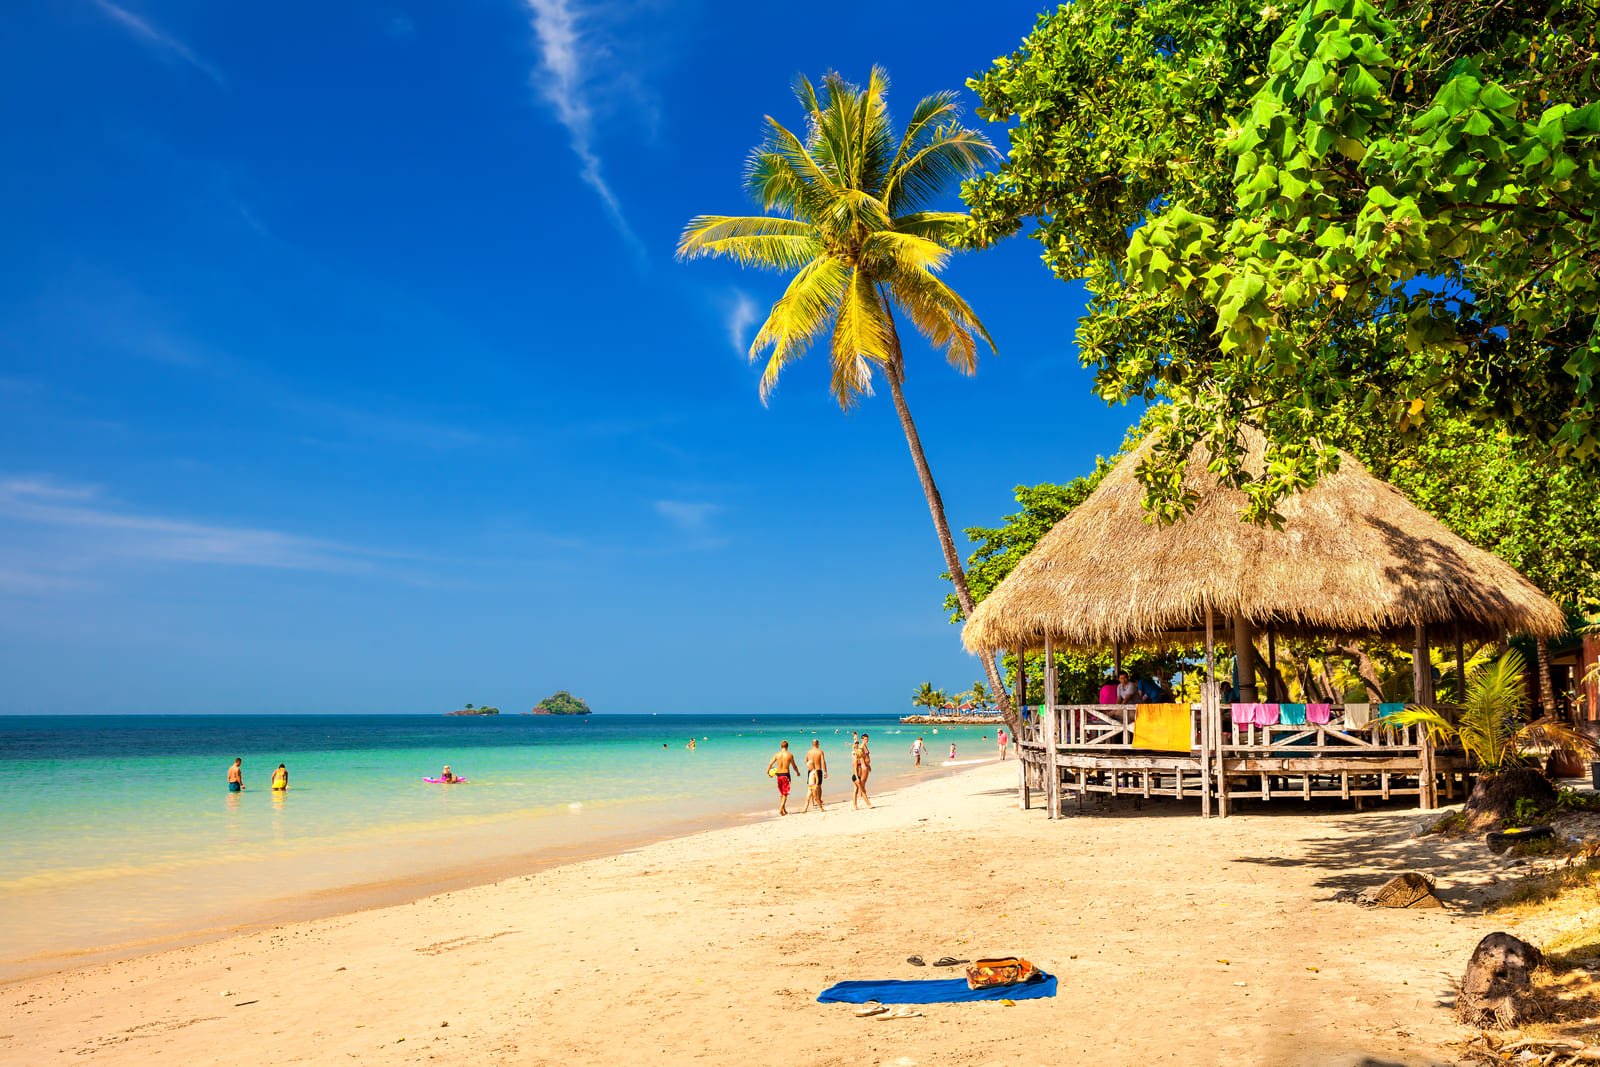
1547	692
947	543
1364	668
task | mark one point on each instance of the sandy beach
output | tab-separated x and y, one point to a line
1175	939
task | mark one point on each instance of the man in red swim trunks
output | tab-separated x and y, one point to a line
781	767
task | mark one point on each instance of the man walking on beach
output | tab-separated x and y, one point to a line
916	752
1004	740
781	767
863	768
236	775
816	771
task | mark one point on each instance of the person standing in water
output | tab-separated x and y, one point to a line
781	767
280	779
1004	740
916	752
863	769
236	775
816	771
952	750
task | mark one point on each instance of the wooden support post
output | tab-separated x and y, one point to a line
1244	652
1272	668
1461	668
1021	690
1052	788
1421	668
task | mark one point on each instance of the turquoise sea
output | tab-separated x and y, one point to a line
120	832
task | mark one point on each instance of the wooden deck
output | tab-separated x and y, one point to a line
1084	750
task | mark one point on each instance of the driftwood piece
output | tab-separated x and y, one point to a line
1409	890
1495	989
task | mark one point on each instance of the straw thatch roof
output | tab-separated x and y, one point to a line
1354	557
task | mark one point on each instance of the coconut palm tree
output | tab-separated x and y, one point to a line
848	213
979	694
927	696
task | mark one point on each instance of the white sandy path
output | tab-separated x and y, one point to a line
711	949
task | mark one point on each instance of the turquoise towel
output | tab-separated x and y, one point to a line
1292	714
1386	710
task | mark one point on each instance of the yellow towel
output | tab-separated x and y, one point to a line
1162	727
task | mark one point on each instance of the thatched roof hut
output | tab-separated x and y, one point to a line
1354	557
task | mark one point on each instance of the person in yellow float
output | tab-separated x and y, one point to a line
280	779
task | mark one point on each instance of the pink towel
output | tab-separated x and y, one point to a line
1266	714
1244	714
1319	713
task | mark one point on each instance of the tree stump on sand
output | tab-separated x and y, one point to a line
1494	991
1494	798
1409	890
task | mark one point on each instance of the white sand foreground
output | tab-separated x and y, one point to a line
1176	940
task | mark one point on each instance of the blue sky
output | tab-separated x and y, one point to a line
345	366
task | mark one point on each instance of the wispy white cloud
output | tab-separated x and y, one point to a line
164	43
564	78
691	516
101	529
740	316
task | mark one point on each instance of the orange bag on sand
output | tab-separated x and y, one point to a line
1006	970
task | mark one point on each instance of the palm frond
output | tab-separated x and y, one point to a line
862	337
793	173
799	317
941	226
1438	727
887	251
941	316
855	213
924	120
1556	736
753	240
952	154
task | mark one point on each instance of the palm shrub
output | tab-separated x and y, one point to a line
1501	742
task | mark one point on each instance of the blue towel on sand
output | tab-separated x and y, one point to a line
937	991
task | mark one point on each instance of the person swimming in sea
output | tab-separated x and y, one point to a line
447	775
280	779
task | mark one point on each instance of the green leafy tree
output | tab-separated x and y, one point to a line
849	214
927	697
1282	211
979	694
562	702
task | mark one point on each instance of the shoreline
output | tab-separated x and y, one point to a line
617	834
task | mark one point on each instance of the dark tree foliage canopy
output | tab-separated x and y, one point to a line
1283	213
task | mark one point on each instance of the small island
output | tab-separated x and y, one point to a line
561	703
470	710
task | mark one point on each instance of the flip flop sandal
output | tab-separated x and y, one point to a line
949	961
915	961
901	1012
868	1010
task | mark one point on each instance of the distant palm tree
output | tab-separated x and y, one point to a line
979	694
927	696
851	220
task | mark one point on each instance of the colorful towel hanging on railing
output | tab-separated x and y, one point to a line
1267	714
1162	727
1243	714
1319	713
1292	714
1386	710
1357	716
